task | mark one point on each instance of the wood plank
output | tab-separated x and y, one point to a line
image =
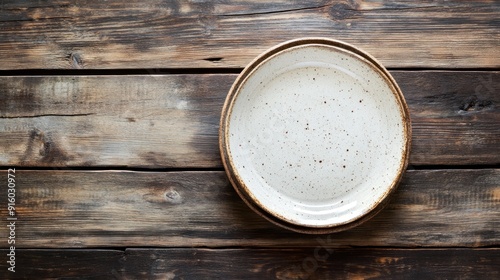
165	121
455	116
79	209
314	263
63	264
306	263
201	34
138	121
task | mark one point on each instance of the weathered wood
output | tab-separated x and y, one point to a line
171	34
316	263
144	121
162	121
63	264
75	209
455	116
306	263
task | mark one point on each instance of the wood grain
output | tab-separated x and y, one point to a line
80	209
138	121
64	264
172	121
69	220
210	34
316	263
306	263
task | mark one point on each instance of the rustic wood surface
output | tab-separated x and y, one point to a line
78	209
64	264
109	112
306	263
172	120
209	34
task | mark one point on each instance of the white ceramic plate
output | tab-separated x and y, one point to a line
315	133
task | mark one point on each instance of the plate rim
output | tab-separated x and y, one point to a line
236	180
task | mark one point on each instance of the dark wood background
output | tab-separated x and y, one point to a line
109	111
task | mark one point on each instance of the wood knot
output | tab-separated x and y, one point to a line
36	134
75	60
342	11
172	196
50	150
163	195
473	103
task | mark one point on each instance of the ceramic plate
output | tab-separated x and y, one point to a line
315	134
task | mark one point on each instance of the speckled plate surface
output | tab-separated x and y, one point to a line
315	135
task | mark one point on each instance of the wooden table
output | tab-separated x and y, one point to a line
109	113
